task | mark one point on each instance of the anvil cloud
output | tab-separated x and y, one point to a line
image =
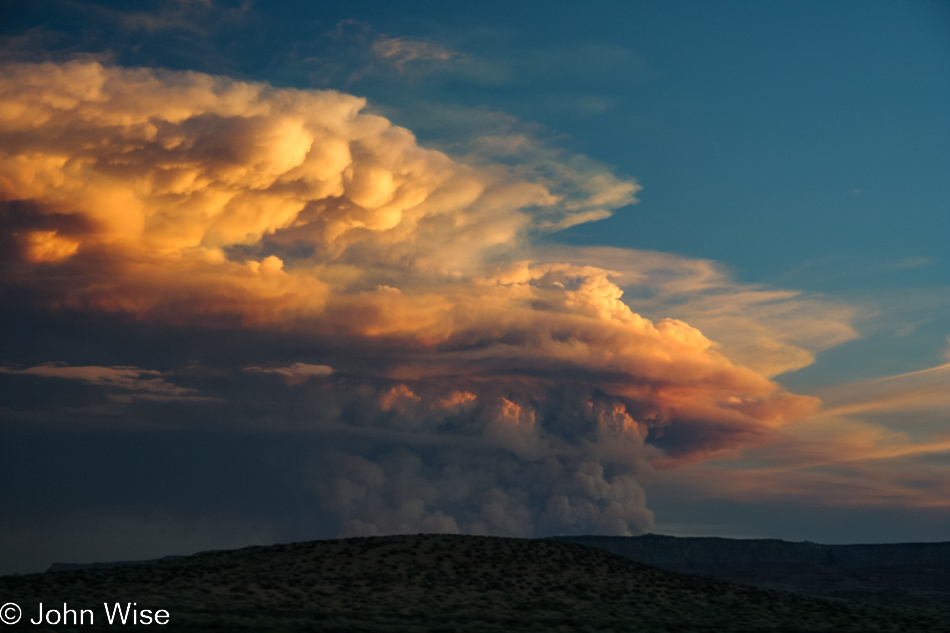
520	394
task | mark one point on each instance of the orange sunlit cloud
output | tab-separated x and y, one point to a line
170	172
879	442
185	199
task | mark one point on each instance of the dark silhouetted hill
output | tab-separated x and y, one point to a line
440	583
902	573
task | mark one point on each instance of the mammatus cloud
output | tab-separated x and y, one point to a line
524	396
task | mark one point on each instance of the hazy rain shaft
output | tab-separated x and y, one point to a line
476	390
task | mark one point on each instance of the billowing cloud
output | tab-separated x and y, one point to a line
522	394
482	492
771	331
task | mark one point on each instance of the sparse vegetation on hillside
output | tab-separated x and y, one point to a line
441	583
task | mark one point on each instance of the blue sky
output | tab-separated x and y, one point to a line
789	165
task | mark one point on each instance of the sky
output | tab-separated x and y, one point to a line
283	271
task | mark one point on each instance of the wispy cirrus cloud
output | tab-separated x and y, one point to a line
401	51
145	384
194	16
294	374
880	443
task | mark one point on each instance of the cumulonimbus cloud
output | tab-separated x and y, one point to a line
183	198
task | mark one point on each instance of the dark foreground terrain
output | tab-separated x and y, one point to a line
440	583
899	573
